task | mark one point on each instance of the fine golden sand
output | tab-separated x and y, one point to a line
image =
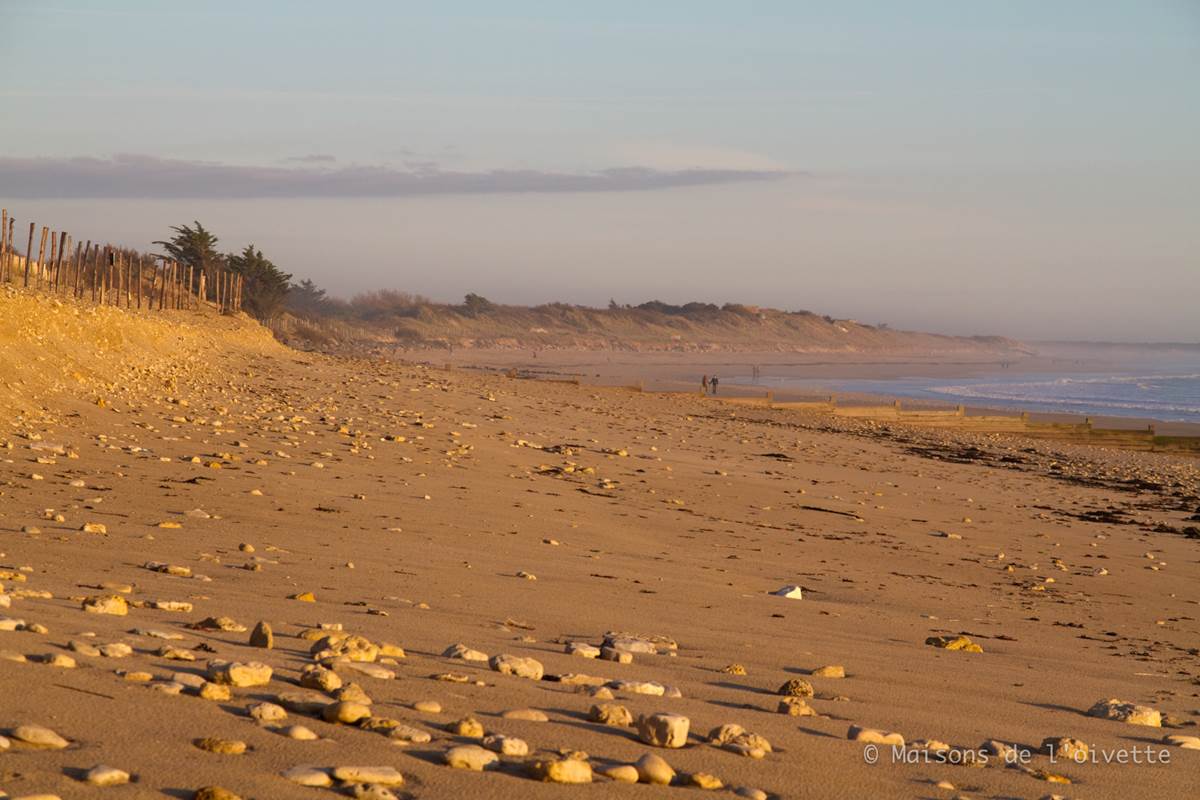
965	595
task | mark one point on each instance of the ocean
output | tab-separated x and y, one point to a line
1167	396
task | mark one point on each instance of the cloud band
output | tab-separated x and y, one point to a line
133	176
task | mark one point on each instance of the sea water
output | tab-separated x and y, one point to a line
1167	396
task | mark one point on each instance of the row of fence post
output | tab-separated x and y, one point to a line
111	275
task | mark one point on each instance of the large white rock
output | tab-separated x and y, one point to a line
663	730
465	653
470	756
103	775
1130	713
236	673
508	664
382	776
317	777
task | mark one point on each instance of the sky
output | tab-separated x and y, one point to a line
1021	168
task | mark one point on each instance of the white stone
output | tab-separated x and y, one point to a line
663	730
470	756
303	775
103	775
506	745
465	653
507	664
383	776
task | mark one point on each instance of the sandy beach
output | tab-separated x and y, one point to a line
235	483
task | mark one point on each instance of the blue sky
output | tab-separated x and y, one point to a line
929	164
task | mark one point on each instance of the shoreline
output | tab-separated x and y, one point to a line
657	372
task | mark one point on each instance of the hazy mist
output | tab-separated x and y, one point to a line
1023	168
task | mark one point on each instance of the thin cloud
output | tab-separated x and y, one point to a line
133	176
312	158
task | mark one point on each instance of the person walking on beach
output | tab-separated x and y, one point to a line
713	381
704	385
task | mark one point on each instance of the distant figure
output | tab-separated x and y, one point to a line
704	384
714	381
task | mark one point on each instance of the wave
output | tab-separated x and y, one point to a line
1130	378
1130	393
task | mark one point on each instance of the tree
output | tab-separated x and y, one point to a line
476	304
264	285
306	297
195	247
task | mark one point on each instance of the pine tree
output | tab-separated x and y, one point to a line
307	298
195	247
264	285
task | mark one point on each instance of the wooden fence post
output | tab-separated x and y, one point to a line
63	240
6	261
41	262
29	251
6	237
139	279
74	269
87	248
45	273
12	224
72	252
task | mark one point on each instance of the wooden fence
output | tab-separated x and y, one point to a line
112	275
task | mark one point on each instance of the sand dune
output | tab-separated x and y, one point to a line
387	319
373	515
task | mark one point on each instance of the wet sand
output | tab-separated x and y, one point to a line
681	372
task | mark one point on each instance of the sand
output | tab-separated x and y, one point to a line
423	507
